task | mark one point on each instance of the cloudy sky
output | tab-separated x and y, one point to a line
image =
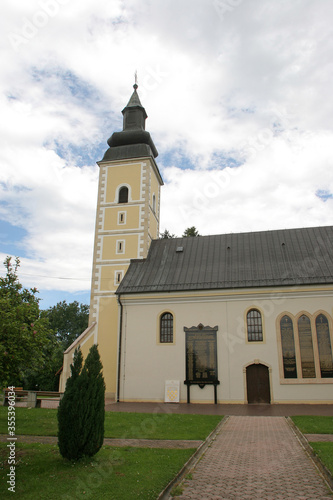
239	101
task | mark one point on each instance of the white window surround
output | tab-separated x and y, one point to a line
120	246
118	276
123	184
122	218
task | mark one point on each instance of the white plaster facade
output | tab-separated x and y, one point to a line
146	364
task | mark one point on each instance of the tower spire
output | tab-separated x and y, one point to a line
133	140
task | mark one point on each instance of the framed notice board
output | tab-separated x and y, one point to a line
201	357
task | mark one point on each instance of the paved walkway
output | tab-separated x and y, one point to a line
136	443
328	438
255	458
275	410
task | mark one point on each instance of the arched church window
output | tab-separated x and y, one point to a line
306	347
288	347
254	326
166	328
324	346
123	195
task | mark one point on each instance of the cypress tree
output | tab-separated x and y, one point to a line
81	410
94	408
69	412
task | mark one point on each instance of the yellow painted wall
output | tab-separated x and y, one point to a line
124	173
154	188
85	341
110	247
153	226
108	341
132	218
140	177
107	282
86	347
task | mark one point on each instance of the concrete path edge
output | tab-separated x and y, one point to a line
192	461
323	471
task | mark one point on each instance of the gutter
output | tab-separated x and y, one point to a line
119	345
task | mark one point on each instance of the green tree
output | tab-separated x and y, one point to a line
167	235
67	320
69	412
81	410
23	332
191	231
45	378
93	382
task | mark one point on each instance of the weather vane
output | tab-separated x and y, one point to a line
136	80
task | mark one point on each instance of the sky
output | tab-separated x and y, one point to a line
239	101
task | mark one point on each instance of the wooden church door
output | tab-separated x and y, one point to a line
257	382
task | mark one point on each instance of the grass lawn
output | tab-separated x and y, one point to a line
113	473
318	425
325	452
43	422
314	424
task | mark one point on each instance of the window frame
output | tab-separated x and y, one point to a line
260	324
318	379
119	273
329	335
154	203
120	247
120	190
121	218
160	333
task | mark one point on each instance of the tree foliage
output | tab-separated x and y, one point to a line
81	410
191	231
44	377
70	407
67	320
93	381
23	332
166	235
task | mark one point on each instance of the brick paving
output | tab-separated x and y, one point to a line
255	458
325	438
138	443
274	410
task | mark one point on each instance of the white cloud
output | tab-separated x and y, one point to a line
247	85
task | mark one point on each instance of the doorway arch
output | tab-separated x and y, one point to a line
258	384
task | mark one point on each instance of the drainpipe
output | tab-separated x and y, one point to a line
119	346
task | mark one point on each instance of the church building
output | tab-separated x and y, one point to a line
232	318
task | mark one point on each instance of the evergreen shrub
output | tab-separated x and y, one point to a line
81	410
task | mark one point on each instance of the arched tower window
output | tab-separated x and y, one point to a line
123	195
288	347
306	347
166	328
254	326
324	346
154	203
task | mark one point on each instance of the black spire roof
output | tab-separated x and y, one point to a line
134	100
133	141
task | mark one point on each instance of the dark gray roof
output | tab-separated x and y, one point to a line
265	258
133	141
134	100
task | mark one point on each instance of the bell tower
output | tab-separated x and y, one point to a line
127	219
